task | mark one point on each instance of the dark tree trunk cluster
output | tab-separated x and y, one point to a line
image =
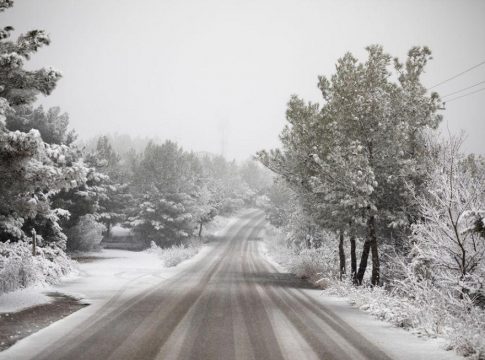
370	248
341	254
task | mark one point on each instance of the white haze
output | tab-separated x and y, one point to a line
200	71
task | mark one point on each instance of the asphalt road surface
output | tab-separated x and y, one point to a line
232	304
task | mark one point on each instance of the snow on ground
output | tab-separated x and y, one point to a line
263	248
107	283
100	275
398	343
24	298
99	278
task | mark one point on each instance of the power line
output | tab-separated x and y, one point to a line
462	96
457	75
468	87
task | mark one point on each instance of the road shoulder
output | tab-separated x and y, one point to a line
397	343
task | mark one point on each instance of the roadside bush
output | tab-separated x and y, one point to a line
174	255
467	334
408	301
423	308
231	205
312	264
86	235
20	269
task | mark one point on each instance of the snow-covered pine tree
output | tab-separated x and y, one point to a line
51	124
165	186
31	170
205	208
115	197
357	159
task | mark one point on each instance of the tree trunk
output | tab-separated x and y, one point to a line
200	229
341	254
375	252
370	242
353	258
308	238
34	242
363	262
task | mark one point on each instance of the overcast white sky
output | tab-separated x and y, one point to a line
186	69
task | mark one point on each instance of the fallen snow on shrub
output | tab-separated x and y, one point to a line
86	235
429	312
174	255
20	269
417	306
312	264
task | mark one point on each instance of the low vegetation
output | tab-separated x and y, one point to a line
175	254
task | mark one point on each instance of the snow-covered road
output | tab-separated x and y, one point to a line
229	302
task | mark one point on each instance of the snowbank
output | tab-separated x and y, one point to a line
430	314
396	342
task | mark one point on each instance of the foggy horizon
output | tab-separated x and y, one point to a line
197	73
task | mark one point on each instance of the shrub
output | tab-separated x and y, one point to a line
409	299
423	308
20	269
174	255
86	235
231	205
312	264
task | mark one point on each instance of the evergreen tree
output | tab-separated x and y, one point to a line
166	183
116	198
51	124
31	170
356	161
